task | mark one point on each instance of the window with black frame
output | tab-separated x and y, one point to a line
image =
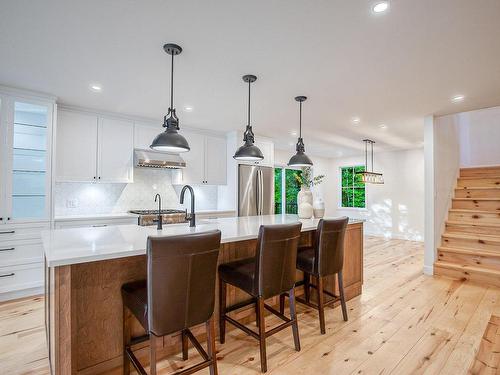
353	189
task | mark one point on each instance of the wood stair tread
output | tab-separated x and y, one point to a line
476	237
472	211
487	177
474	269
478	188
489	225
472	252
477	199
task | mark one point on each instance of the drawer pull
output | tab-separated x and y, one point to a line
99	225
8	274
8	249
8	232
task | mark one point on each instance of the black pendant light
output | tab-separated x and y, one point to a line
170	140
300	159
249	152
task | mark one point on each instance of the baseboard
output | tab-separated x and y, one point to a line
428	270
21	293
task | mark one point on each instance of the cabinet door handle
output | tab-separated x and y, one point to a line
99	177
99	225
8	249
8	232
8	274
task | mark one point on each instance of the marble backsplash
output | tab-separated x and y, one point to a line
74	198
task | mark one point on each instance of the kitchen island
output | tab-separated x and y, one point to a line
86	267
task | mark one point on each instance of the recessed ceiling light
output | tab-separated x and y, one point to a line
458	98
355	120
293	133
188	108
383	126
96	87
381	7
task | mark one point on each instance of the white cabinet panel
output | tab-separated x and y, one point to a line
215	161
194	173
76	150
115	151
267	149
145	133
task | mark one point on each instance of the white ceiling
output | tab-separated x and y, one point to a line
393	68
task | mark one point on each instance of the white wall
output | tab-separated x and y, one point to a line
396	208
442	154
479	136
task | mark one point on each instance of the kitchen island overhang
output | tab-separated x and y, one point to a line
87	266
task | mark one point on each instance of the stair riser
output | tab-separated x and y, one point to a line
475	218
462	243
480	172
470	260
480	193
478	205
469	229
481	278
479	182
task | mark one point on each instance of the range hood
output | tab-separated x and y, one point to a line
157	159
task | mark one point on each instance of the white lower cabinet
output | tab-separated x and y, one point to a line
21	260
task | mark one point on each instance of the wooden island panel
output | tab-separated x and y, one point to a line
86	311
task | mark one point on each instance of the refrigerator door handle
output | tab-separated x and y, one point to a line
261	190
257	192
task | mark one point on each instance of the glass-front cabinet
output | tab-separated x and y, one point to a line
26	129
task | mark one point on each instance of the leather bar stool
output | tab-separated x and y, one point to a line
269	273
179	293
324	258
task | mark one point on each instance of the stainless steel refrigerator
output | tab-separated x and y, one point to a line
255	190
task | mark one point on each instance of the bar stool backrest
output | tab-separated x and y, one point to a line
276	257
181	280
329	245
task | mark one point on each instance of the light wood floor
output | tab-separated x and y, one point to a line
404	323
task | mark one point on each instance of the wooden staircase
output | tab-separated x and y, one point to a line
470	246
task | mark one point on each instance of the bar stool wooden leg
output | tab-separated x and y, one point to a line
307	287
282	303
126	341
152	354
262	335
321	305
293	315
185	346
222	311
257	313
210	324
342	297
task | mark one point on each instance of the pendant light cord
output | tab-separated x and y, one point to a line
249	102
172	84
372	155
300	119
366	156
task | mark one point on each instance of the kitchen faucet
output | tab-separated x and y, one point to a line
160	218
192	219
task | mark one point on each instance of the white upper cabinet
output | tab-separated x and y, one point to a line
76	146
267	148
25	159
205	162
144	133
215	160
194	173
115	150
92	148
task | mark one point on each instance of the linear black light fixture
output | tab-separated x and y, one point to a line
300	159
170	140
248	152
370	177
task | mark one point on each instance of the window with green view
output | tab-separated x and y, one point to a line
286	189
353	189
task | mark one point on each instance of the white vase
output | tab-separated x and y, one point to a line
305	203
318	207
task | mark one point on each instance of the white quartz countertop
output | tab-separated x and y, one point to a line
81	245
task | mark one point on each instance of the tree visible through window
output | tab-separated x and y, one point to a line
286	189
353	189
